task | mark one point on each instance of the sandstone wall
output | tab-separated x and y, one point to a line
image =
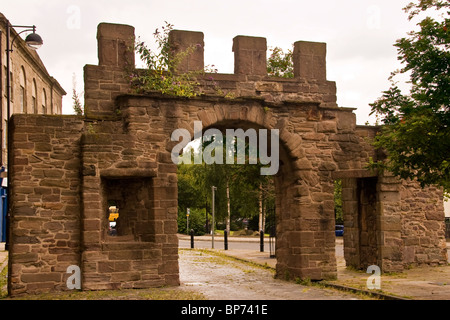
67	171
46	207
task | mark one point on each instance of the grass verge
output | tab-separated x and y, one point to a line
3	281
124	294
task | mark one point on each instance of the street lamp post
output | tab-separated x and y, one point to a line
187	220
34	42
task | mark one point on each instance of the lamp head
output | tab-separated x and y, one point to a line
34	41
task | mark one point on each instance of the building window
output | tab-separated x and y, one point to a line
22	91
22	99
11	84
5	81
44	102
34	97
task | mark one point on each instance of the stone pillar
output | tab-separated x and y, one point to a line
310	60
115	45
103	83
351	231
305	229
390	220
250	55
181	41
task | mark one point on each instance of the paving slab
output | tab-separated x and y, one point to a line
418	283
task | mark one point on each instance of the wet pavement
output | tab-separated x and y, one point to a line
226	279
219	278
419	283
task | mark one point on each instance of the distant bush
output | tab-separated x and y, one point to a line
197	221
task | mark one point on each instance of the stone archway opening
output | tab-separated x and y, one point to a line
297	229
362	219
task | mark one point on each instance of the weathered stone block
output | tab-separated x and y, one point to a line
188	41
40	277
310	60
327	127
115	45
250	55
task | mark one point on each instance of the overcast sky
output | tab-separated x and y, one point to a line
359	34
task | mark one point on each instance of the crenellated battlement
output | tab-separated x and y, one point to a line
103	83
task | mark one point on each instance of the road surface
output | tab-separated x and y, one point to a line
245	245
220	278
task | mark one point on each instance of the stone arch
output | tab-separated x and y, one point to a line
305	199
306	239
255	116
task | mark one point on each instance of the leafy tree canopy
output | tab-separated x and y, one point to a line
416	135
280	64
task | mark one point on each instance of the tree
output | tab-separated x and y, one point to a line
416	131
77	106
280	64
238	189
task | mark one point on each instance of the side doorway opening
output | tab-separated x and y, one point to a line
360	206
128	207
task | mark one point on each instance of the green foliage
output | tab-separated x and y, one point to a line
190	187
3	282
280	64
194	190
197	221
77	106
416	135
161	73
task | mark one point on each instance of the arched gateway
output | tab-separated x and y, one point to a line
67	170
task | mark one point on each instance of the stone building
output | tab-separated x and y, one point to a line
33	90
67	170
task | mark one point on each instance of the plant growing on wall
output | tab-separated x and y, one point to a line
161	73
280	64
77	105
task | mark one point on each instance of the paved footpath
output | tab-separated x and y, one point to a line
219	278
421	283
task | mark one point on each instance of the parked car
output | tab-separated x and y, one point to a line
339	230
